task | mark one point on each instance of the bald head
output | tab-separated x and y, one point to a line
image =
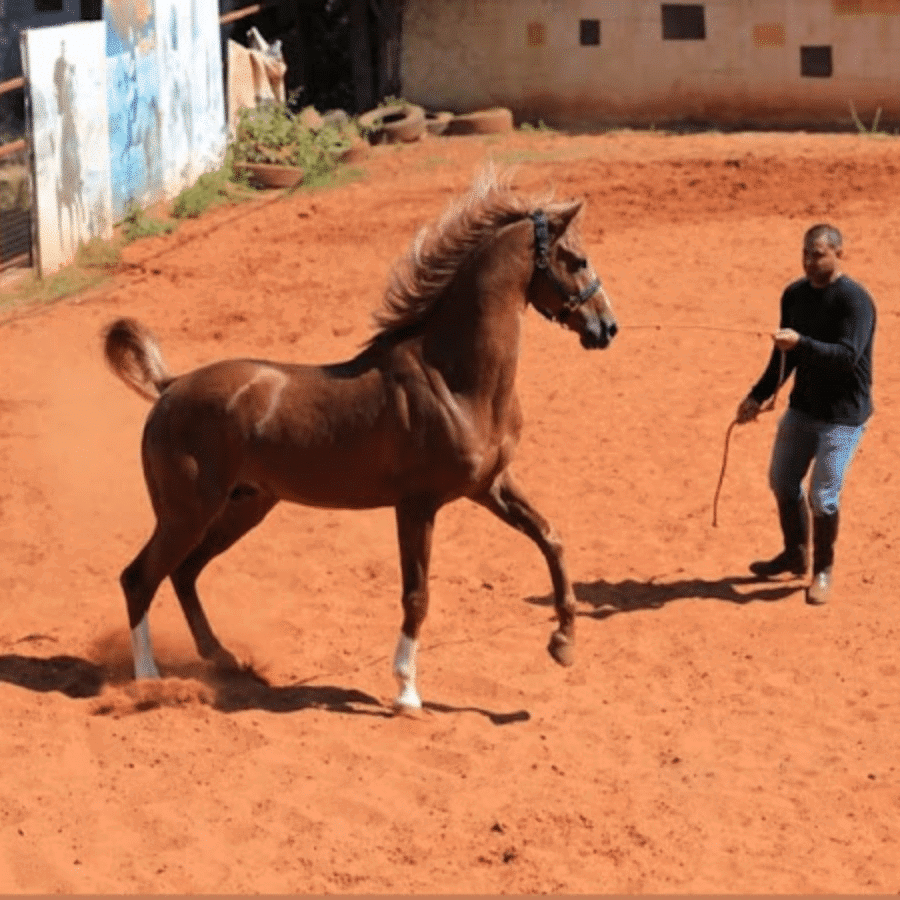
828	233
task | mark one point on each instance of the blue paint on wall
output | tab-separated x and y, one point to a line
165	96
133	105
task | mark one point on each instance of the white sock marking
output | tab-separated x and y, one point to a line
142	650
405	672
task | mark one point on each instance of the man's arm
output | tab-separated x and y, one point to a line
769	382
856	326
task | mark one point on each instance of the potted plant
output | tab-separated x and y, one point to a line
279	149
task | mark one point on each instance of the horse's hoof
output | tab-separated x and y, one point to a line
224	662
408	698
561	649
408	711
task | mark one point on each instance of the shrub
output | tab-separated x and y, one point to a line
210	189
272	134
137	224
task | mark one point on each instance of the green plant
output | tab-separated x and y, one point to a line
210	190
394	101
265	134
319	152
860	126
137	224
271	134
541	126
97	254
63	283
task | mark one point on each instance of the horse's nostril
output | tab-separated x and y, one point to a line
613	329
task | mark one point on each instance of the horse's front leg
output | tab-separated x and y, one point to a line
505	499
415	526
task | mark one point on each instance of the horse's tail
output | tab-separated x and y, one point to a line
133	354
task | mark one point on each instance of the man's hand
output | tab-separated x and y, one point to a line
785	338
747	410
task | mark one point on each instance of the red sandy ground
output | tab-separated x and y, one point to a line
714	735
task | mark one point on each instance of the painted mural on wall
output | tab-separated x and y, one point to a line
135	142
208	80
165	94
67	92
192	99
124	112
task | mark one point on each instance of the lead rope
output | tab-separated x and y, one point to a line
770	405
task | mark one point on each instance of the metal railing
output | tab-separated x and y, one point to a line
245	11
15	224
7	87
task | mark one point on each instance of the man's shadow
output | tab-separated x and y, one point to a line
608	598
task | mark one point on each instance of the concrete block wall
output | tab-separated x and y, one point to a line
758	63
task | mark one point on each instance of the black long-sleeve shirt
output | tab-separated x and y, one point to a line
833	358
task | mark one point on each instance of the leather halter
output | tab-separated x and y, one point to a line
571	302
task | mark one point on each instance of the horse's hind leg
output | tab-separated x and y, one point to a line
505	499
140	581
246	508
415	527
186	499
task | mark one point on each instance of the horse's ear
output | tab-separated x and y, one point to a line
560	216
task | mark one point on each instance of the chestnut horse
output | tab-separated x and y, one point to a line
425	414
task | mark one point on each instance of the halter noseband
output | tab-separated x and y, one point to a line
571	302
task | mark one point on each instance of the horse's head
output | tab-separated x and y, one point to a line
564	287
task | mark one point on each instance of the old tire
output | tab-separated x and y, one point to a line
394	124
436	122
483	121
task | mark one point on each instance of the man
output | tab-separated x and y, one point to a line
826	333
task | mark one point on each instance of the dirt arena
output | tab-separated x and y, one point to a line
715	735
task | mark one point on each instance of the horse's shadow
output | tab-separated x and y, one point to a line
230	691
608	598
227	691
235	691
244	690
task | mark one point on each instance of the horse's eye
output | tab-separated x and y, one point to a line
581	263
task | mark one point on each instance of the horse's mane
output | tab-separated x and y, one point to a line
419	277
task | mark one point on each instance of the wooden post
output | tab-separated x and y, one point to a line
12	84
14	147
390	23
361	56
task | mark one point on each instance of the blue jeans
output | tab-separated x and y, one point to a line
802	440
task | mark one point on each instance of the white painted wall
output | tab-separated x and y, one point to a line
464	55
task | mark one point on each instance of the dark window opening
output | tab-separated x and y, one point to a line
815	62
683	22
537	34
48	6
91	10
589	32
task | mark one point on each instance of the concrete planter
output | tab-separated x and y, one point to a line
271	175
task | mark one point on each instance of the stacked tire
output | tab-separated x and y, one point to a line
406	122
484	121
436	122
393	124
